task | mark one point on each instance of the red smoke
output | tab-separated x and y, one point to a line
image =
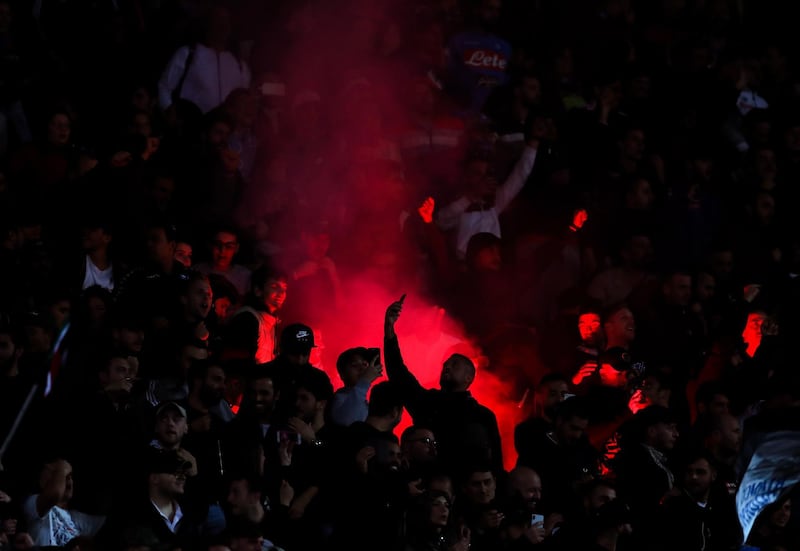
336	168
427	337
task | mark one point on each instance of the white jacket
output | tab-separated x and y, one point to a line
211	76
467	224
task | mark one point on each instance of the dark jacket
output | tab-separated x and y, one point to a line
464	428
688	526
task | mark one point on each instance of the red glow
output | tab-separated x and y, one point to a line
427	335
353	137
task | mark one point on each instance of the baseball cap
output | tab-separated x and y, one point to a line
166	462
174	406
297	338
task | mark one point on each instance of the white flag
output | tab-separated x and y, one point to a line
773	470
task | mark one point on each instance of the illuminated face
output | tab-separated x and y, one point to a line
223	249
589	327
262	392
653	393
197	300
69	484
481	488
183	254
171	427
274	294
222	307
529	487
751	335
389	457
621	327
117	370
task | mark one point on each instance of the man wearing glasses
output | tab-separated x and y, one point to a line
224	247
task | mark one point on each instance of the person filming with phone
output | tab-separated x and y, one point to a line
465	429
358	368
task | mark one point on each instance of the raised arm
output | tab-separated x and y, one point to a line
519	175
396	370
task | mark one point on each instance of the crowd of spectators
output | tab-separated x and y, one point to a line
194	194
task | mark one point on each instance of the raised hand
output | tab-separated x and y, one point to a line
392	315
374	370
425	210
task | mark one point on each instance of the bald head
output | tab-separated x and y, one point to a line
457	375
525	483
724	435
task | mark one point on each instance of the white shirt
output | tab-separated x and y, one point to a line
59	526
211	76
96	276
455	214
266	344
172	525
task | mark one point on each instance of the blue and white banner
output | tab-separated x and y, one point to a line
773	470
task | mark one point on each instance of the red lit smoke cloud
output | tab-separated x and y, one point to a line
336	173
